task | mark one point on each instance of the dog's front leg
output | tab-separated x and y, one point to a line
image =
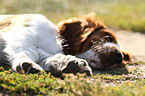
60	63
23	64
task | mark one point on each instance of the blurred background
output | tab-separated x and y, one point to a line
117	14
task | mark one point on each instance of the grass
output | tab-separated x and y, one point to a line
116	14
127	80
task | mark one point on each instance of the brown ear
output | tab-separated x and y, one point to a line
127	57
91	16
70	31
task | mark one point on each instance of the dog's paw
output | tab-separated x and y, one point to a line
28	68
77	66
60	63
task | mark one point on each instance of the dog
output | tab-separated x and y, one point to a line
31	43
92	41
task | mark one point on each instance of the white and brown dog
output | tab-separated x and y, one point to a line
31	43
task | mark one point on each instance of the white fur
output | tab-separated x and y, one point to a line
118	44
24	42
109	44
91	55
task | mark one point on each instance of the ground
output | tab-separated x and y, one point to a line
133	42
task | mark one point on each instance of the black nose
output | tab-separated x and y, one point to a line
118	57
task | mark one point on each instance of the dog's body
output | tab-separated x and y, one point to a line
30	43
30	40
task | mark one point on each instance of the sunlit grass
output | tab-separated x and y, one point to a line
106	84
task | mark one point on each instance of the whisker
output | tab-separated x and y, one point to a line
107	38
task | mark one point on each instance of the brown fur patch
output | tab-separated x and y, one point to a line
80	33
127	57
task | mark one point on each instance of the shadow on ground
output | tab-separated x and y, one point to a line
118	70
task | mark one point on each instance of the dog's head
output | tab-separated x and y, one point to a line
92	41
